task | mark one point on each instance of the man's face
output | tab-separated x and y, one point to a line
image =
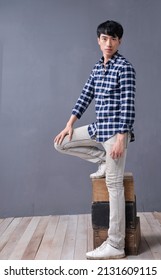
108	45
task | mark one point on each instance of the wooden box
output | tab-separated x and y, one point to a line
100	214
132	238
100	192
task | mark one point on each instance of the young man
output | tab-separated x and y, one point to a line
112	85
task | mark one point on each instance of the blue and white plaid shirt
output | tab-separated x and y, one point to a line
113	89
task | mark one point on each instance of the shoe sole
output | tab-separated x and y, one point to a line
107	258
97	177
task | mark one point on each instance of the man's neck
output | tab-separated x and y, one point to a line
107	58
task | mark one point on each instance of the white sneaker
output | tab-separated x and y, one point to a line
100	173
105	252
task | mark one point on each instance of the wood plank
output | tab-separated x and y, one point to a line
14	238
24	240
46	243
7	233
58	241
33	245
157	216
89	234
5	223
81	238
70	239
150	237
155	225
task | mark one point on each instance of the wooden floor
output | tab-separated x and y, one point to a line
67	237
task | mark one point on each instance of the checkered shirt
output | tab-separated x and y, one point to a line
113	89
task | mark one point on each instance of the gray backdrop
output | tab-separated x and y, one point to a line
47	51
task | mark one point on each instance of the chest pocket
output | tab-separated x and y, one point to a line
112	83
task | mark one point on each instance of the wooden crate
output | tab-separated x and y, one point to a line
100	214
100	192
132	238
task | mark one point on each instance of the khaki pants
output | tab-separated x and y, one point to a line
82	146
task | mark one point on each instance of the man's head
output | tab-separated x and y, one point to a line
111	28
109	36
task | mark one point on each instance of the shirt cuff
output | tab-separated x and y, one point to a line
123	128
76	113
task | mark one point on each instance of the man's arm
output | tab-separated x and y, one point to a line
127	99
80	107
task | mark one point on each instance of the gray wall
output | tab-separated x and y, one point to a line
47	50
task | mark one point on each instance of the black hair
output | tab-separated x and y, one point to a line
111	28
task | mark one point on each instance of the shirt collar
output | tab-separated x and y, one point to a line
111	60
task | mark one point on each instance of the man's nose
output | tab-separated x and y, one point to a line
109	43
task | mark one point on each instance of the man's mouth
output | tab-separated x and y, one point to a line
108	50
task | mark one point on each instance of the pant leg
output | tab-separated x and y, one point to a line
114	181
82	146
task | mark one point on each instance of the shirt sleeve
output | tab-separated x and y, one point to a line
127	98
85	98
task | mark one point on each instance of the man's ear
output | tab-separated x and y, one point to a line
120	40
98	40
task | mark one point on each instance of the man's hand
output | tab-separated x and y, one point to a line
68	130
118	147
